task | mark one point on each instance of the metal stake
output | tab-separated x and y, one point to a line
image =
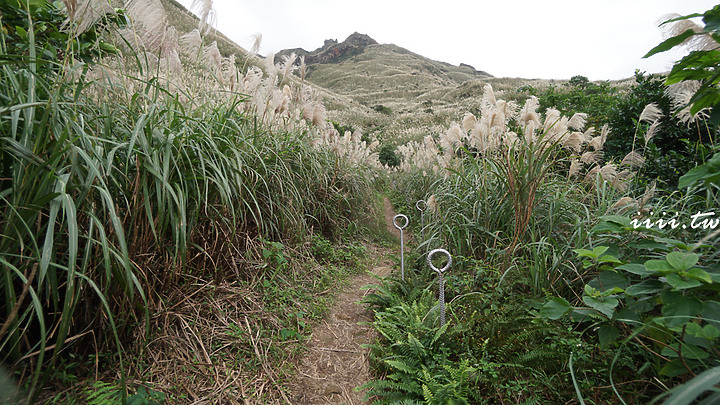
422	207
402	242
441	292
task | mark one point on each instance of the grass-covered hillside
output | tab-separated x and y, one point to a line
178	216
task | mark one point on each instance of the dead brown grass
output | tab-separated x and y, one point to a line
208	347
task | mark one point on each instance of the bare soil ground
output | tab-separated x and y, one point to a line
336	363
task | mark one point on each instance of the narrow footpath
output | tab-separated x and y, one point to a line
336	362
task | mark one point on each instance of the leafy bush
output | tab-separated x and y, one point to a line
676	147
388	157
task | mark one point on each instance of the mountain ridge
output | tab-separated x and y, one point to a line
333	51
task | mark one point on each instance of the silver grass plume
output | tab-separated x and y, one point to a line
552	116
206	13
633	159
71	7
575	167
609	172
625	203
488	99
213	58
592	174
621	179
680	94
528	113
149	21
577	122
256	43
230	72
303	68
174	65
649	194
191	43
588	134
468	122
574	141
432	204
650	113
271	70
604	133
652	131
288	65
86	13
598	142
701	41
171	41
591	157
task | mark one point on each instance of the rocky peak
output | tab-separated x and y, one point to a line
332	50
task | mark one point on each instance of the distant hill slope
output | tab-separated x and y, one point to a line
369	72
185	21
384	90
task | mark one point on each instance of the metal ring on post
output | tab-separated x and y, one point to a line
396	224
432	266
441	282
402	243
422	209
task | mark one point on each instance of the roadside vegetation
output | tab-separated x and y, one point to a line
169	221
585	257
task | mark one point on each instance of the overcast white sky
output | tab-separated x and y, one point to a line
546	39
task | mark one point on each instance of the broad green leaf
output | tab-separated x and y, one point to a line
711	311
645	288
673	368
592	291
609	259
715	277
700	275
607	334
672	242
608	280
659	266
607	227
706	332
687	350
599	250
670	43
556	308
583	314
697	173
679	283
584	253
628	316
637	268
611	223
678	308
681	260
604	305
651	245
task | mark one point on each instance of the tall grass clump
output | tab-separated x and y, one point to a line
116	179
516	187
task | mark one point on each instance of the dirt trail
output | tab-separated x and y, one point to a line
336	362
